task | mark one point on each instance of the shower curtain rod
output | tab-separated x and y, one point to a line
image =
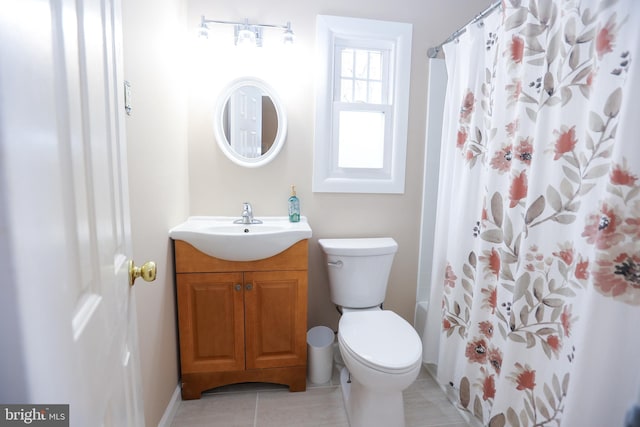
432	52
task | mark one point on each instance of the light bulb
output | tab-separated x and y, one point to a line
203	33
246	37
288	36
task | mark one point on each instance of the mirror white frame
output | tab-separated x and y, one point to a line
219	120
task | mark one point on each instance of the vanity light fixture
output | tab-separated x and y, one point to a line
246	34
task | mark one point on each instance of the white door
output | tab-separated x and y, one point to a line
68	313
245	121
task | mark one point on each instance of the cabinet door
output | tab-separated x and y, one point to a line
211	322
276	318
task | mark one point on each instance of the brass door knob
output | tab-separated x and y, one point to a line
147	272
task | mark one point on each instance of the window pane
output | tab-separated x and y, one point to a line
361	72
362	64
361	139
346	56
346	90
375	93
360	91
375	65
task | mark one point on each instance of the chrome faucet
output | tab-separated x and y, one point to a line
247	215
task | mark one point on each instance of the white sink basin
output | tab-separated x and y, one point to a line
219	237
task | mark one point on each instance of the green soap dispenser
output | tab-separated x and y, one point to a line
294	206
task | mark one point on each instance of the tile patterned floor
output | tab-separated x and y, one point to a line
268	405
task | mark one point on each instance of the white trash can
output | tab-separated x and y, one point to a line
320	354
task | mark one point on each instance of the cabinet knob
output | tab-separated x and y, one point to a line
238	287
249	286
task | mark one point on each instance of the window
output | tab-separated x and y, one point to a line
361	105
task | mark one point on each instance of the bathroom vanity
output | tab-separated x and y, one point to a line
241	321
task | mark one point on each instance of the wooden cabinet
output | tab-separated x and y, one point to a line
241	321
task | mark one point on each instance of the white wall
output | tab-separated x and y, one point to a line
157	154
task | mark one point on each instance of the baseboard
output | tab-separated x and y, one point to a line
172	408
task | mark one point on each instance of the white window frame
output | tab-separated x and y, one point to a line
395	39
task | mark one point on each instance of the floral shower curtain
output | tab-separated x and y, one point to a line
537	249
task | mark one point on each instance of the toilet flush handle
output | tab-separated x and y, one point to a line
335	263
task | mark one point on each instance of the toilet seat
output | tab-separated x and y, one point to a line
381	340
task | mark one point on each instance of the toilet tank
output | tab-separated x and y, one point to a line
358	269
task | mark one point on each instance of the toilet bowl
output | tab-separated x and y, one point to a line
382	354
381	351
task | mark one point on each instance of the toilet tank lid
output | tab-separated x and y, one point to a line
359	246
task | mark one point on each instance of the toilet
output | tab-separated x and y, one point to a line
381	351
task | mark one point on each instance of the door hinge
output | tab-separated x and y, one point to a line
127	98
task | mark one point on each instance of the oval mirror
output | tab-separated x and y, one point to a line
250	123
